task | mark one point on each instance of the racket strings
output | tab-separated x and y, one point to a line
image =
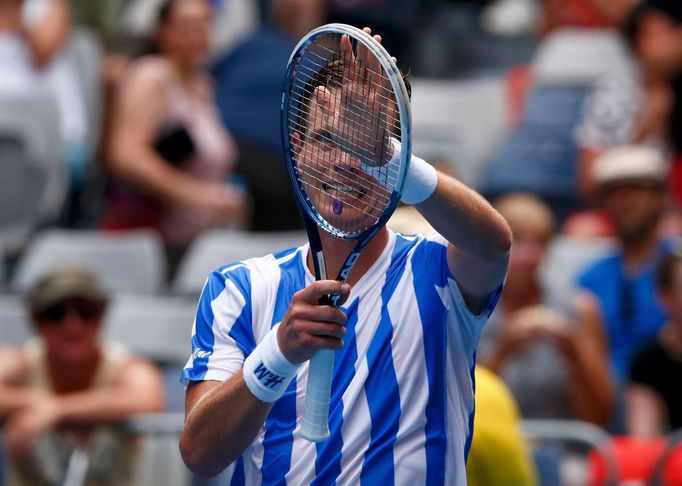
366	115
388	172
319	181
377	181
377	90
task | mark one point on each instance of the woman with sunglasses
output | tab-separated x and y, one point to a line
60	389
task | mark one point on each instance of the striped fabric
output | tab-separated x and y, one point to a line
402	391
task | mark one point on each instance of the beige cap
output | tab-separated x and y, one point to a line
630	163
63	284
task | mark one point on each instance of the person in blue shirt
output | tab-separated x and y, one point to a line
631	185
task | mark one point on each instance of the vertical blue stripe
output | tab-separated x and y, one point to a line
238	478
242	331
429	268
328	460
281	421
470	434
381	386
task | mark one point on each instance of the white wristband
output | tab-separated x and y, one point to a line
421	178
267	372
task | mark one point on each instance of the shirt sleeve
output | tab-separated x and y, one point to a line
222	335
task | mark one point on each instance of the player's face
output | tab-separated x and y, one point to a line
344	194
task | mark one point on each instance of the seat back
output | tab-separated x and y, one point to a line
34	118
158	328
15	326
131	261
22	185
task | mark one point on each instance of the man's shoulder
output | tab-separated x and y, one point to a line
601	268
272	263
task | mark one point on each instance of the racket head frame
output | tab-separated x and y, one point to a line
402	101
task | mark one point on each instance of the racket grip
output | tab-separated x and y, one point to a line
315	425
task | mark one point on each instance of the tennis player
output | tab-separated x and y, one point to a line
402	403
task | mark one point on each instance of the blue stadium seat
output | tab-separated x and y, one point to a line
534	159
550	105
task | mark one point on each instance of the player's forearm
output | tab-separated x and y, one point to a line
467	220
220	426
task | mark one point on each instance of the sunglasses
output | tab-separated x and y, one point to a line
89	312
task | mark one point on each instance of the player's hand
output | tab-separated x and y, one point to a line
360	111
25	426
308	326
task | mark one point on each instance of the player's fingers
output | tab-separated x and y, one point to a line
323	329
375	66
320	313
313	292
363	56
348	58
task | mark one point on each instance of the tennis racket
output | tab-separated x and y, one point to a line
344	109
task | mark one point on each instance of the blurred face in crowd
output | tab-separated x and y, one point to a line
185	33
70	329
532	225
635	208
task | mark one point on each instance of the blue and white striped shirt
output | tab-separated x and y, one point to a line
402	393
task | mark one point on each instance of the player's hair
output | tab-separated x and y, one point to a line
331	77
666	270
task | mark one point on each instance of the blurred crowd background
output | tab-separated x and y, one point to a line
140	149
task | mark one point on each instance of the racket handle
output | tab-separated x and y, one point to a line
315	425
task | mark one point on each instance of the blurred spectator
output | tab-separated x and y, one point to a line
557	14
631	189
658	27
551	354
33	41
249	79
232	20
654	396
498	453
169	154
60	389
631	106
248	93
514	17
